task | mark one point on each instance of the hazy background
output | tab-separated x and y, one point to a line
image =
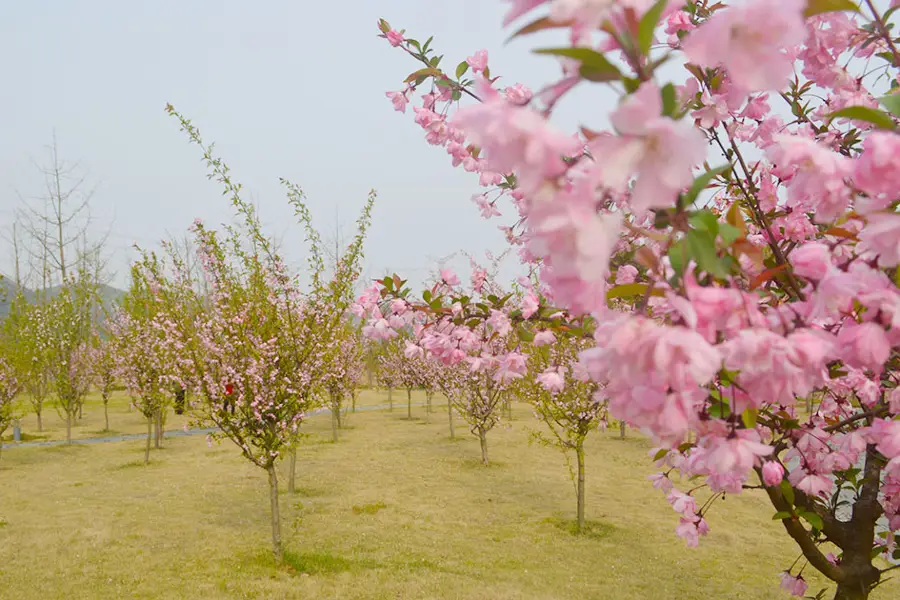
285	88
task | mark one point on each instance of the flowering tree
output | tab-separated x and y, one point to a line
26	331
141	335
69	312
441	331
262	342
345	367
754	283
102	360
562	395
9	389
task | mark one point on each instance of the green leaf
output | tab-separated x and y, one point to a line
648	24
876	117
461	69
627	289
892	103
661	453
787	491
631	84
422	73
525	335
719	410
749	418
813	519
701	182
594	66
426	295
703	249
705	220
729	233
669	100
679	255
817	7
782	514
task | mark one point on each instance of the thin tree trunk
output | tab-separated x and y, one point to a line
39	420
106	414
334	425
292	474
450	416
622	430
391	399
579	453
409	403
428	407
68	427
482	437
157	421
81	410
354	400
277	549
149	435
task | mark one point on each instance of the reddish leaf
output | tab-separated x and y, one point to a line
841	233
766	276
541	24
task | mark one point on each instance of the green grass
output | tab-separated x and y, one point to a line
395	510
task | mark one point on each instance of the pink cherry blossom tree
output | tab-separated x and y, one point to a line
721	296
102	361
262	342
9	389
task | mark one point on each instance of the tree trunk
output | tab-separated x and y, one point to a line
277	550
149	435
340	418
292	474
40	421
482	437
409	403
428	407
579	453
69	427
354	400
157	421
391	399
334	425
81	410
106	414
450	415
622	430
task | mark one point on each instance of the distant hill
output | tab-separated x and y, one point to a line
109	295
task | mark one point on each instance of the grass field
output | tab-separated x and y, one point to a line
395	510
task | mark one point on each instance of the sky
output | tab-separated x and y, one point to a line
284	88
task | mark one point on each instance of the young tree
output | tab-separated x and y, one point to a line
563	396
27	331
262	341
103	371
9	389
69	357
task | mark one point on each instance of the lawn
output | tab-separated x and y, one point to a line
395	510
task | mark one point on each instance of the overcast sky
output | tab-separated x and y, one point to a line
285	88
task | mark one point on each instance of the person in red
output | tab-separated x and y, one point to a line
229	397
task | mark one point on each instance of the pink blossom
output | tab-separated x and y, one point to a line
529	305
772	473
478	61
518	94
658	151
551	380
751	40
399	100
626	274
395	38
812	261
515	138
881	236
796	586
877	170
816	176
543	338
449	277
519	8
864	345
